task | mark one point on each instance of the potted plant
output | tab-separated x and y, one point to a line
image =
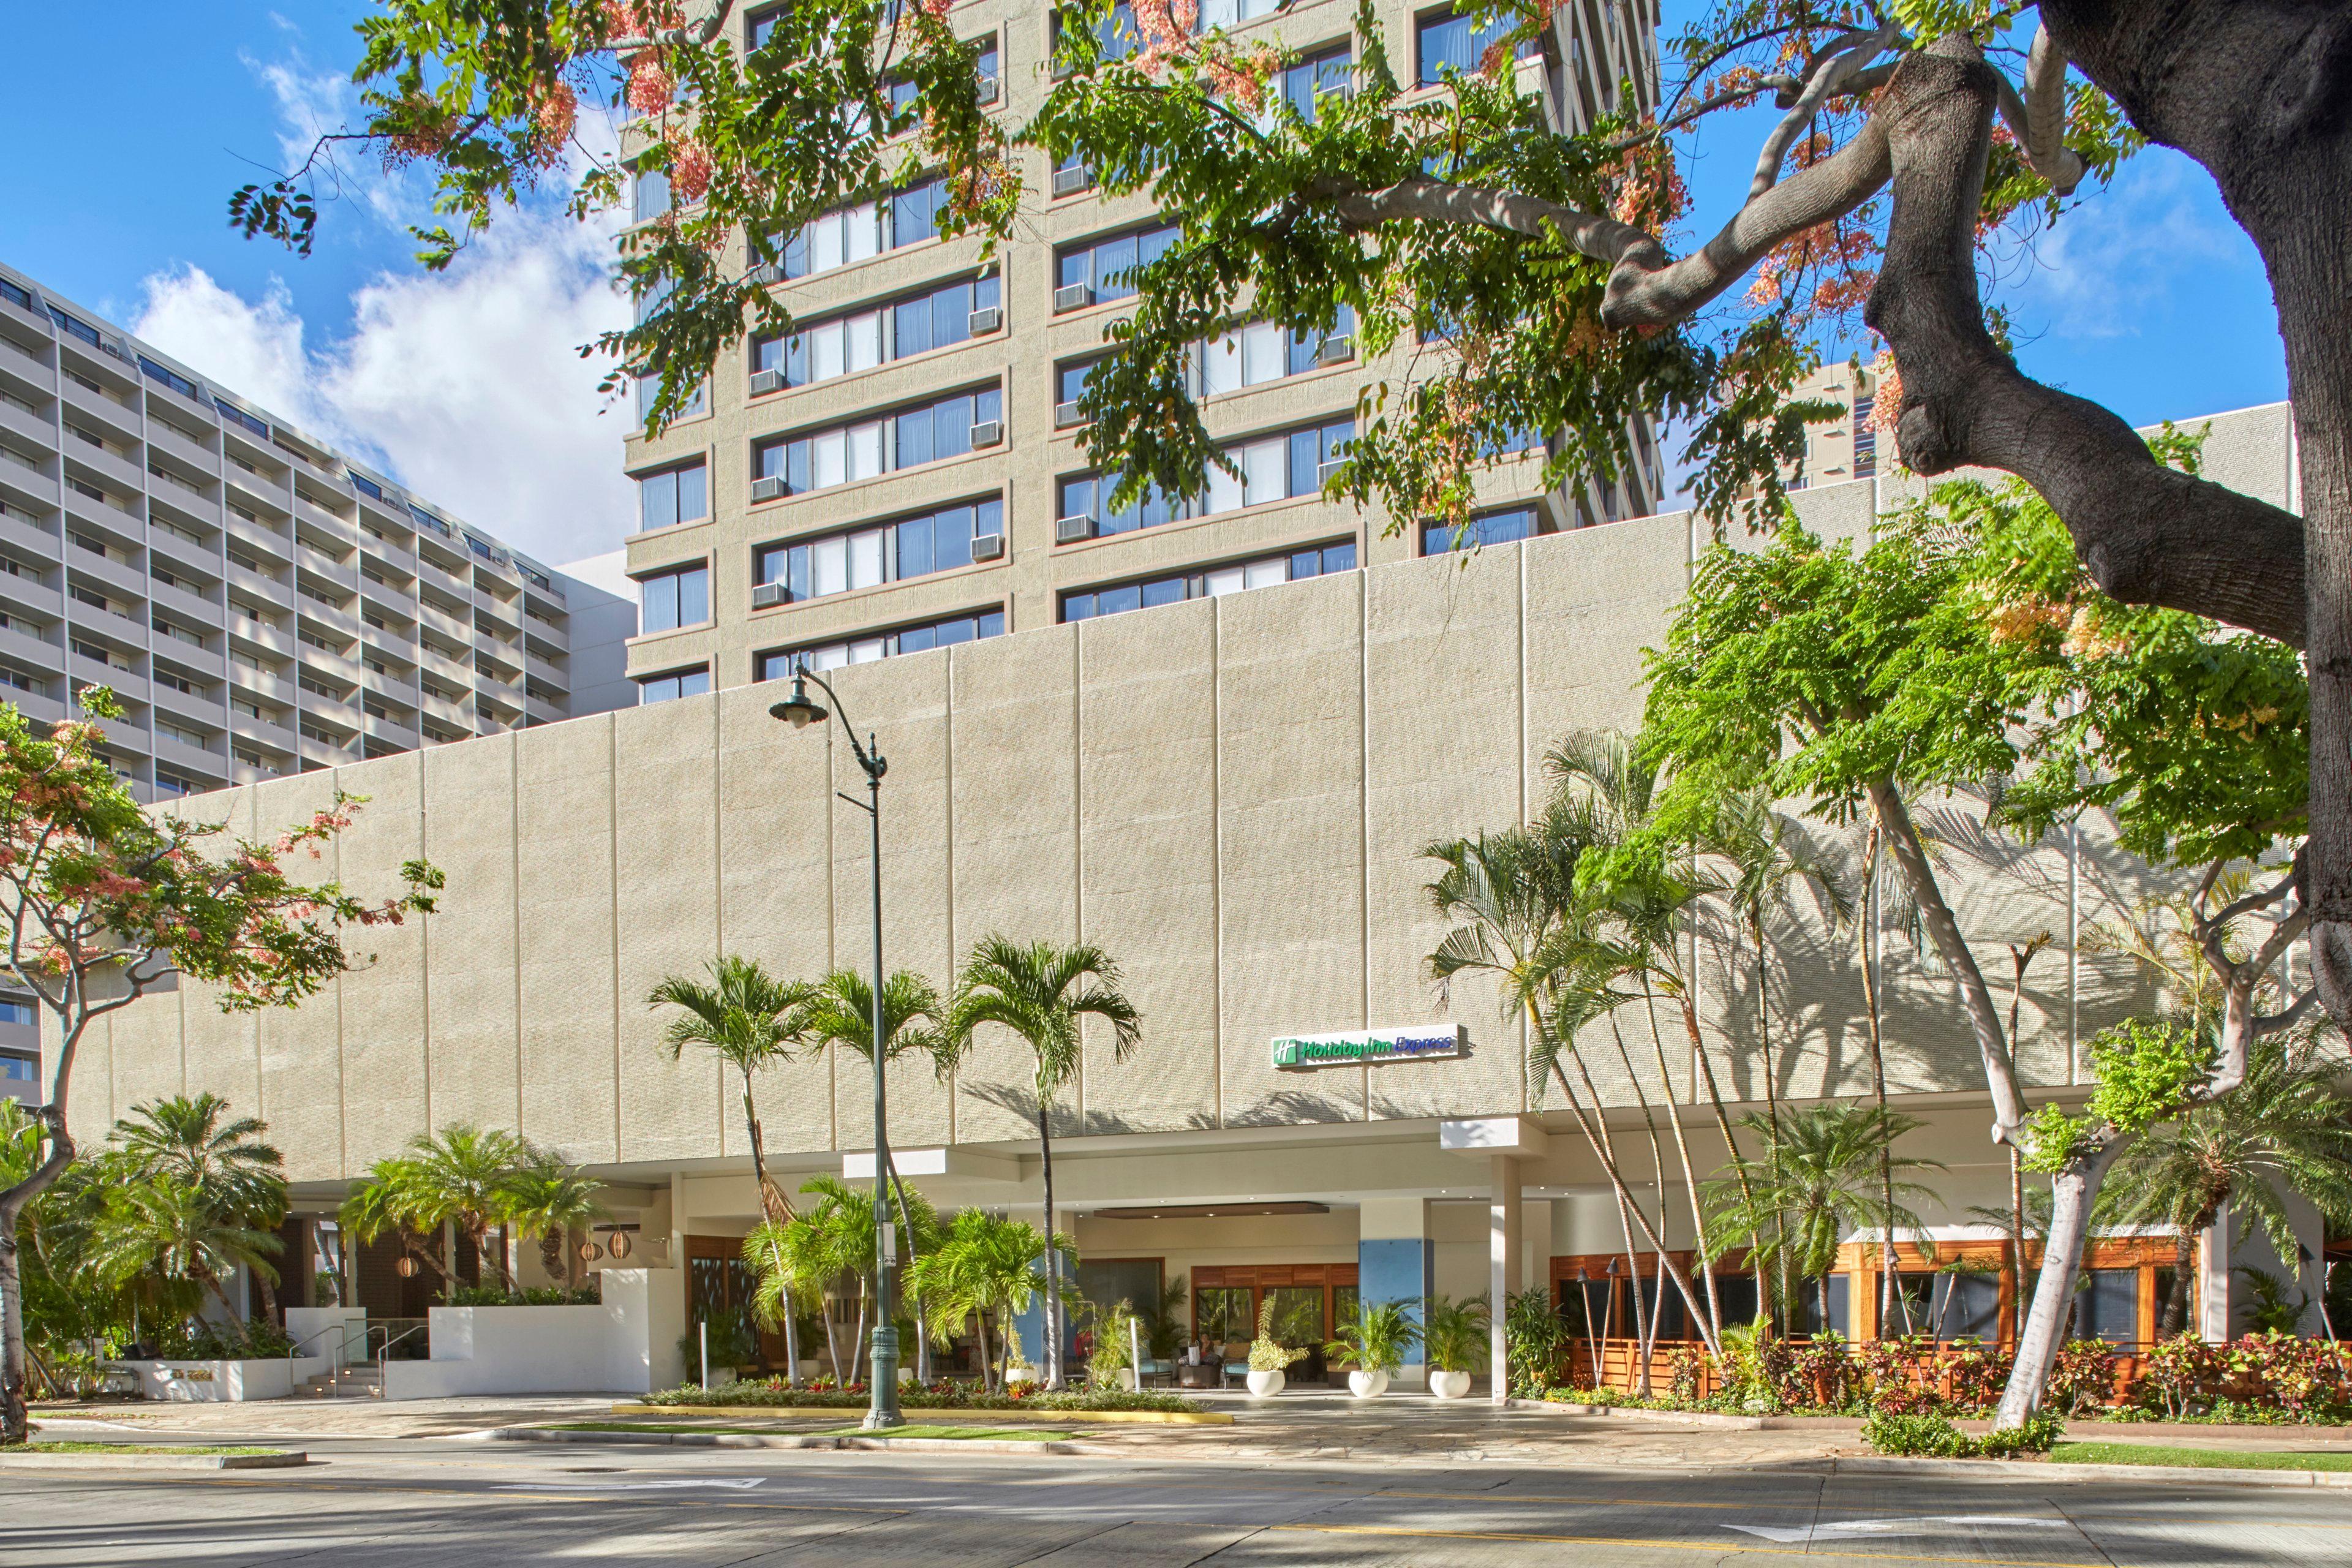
1017	1369
1375	1344
1454	1341
1269	1360
1110	1360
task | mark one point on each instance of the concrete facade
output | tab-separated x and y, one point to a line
1587	52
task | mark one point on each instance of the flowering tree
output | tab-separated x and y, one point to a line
101	902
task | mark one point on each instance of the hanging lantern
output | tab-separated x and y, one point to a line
621	1245
406	1267
590	1252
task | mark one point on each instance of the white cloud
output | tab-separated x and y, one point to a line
468	385
2115	266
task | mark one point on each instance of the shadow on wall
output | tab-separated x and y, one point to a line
1021	1100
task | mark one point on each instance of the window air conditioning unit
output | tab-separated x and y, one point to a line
764	382
986	89
987	319
1072	180
769	489
1071	296
768	595
1067	414
987	433
1070	529
1335	349
987	547
1325	470
768	272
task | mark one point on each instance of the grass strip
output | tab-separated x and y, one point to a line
771	1431
954	1433
2196	1458
64	1447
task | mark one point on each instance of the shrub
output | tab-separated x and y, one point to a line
536	1296
2084	1376
949	1395
1934	1437
1265	1353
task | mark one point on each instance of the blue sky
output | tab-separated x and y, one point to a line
2147	298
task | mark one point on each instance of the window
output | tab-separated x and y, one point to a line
17	294
17	679
19	1010
868	229
895	329
866	649
426	520
1115	35
1489	528
1315	561
1106	267
845	454
675	599
760	26
672	496
911	547
903	93
1865	438
1274	468
236	416
1326	72
1233	13
19	1070
74	327
677	683
697	402
1262	352
1839	1287
648	194
1449	42
171	378
1954	1306
362	483
1070	382
2107	1307
195	738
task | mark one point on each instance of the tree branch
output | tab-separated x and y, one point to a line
1823	82
2147	534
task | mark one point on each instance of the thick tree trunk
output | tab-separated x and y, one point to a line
2176	1301
2073	1190
15	1418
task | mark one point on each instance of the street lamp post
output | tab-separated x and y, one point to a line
801	711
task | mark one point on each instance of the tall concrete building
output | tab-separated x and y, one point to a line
1843	447
904	472
261	602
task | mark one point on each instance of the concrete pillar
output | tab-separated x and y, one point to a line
1506	1261
1396	1261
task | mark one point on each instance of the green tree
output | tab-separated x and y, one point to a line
550	1198
1816	1180
101	902
1041	993
464	1177
984	1266
748	1018
2286	1129
165	1224
195	1141
810	1255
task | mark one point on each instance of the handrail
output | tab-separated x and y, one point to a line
294	1350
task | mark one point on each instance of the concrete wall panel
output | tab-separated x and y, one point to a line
470	834
565	938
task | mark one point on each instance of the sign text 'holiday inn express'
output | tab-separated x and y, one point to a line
1358	1047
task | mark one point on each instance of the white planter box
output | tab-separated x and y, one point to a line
521	1349
1368	1385
227	1382
1264	1383
1449	1385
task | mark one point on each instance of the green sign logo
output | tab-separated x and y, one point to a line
1361	1047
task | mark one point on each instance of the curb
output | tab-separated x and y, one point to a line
1057	1417
787	1440
2013	1471
285	1459
1656	1417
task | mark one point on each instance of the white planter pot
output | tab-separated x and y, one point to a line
1126	1379
1368	1385
1263	1383
1449	1385
1019	1374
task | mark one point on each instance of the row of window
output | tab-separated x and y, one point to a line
947	428
1272	468
917	639
913	546
899	329
1319	562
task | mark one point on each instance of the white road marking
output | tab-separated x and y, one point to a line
1917	1524
569	1484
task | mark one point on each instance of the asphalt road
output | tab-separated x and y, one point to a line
372	1502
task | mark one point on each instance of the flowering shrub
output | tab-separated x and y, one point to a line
2173	1372
2083	1375
1978	1372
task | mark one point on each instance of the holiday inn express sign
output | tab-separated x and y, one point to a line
1358	1047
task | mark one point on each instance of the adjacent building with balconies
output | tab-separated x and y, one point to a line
904	472
260	603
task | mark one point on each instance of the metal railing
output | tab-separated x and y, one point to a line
335	1359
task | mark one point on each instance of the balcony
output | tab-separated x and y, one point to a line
265	540
197	663
455	714
29	485
189	708
186	607
168	549
260	685
102	415
505	613
29	652
24	367
310	514
332	620
536	669
120	474
541	711
261	731
325	754
435	619
257	490
390	733
268	590
37	428
172	444
87	671
343	672
384	552
264	638
343	573
25	539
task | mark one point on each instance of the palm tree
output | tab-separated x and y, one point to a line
464	1176
839	1012
2285	1127
1042	993
223	1158
381	1203
809	1255
1819	1180
984	1263
167	1226
748	1018
552	1198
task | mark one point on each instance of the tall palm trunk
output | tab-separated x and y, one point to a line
923	1327
1889	1270
1723	1126
1053	1315
777	1209
1690	1176
832	1338
1765	1293
987	1359
1649	1324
